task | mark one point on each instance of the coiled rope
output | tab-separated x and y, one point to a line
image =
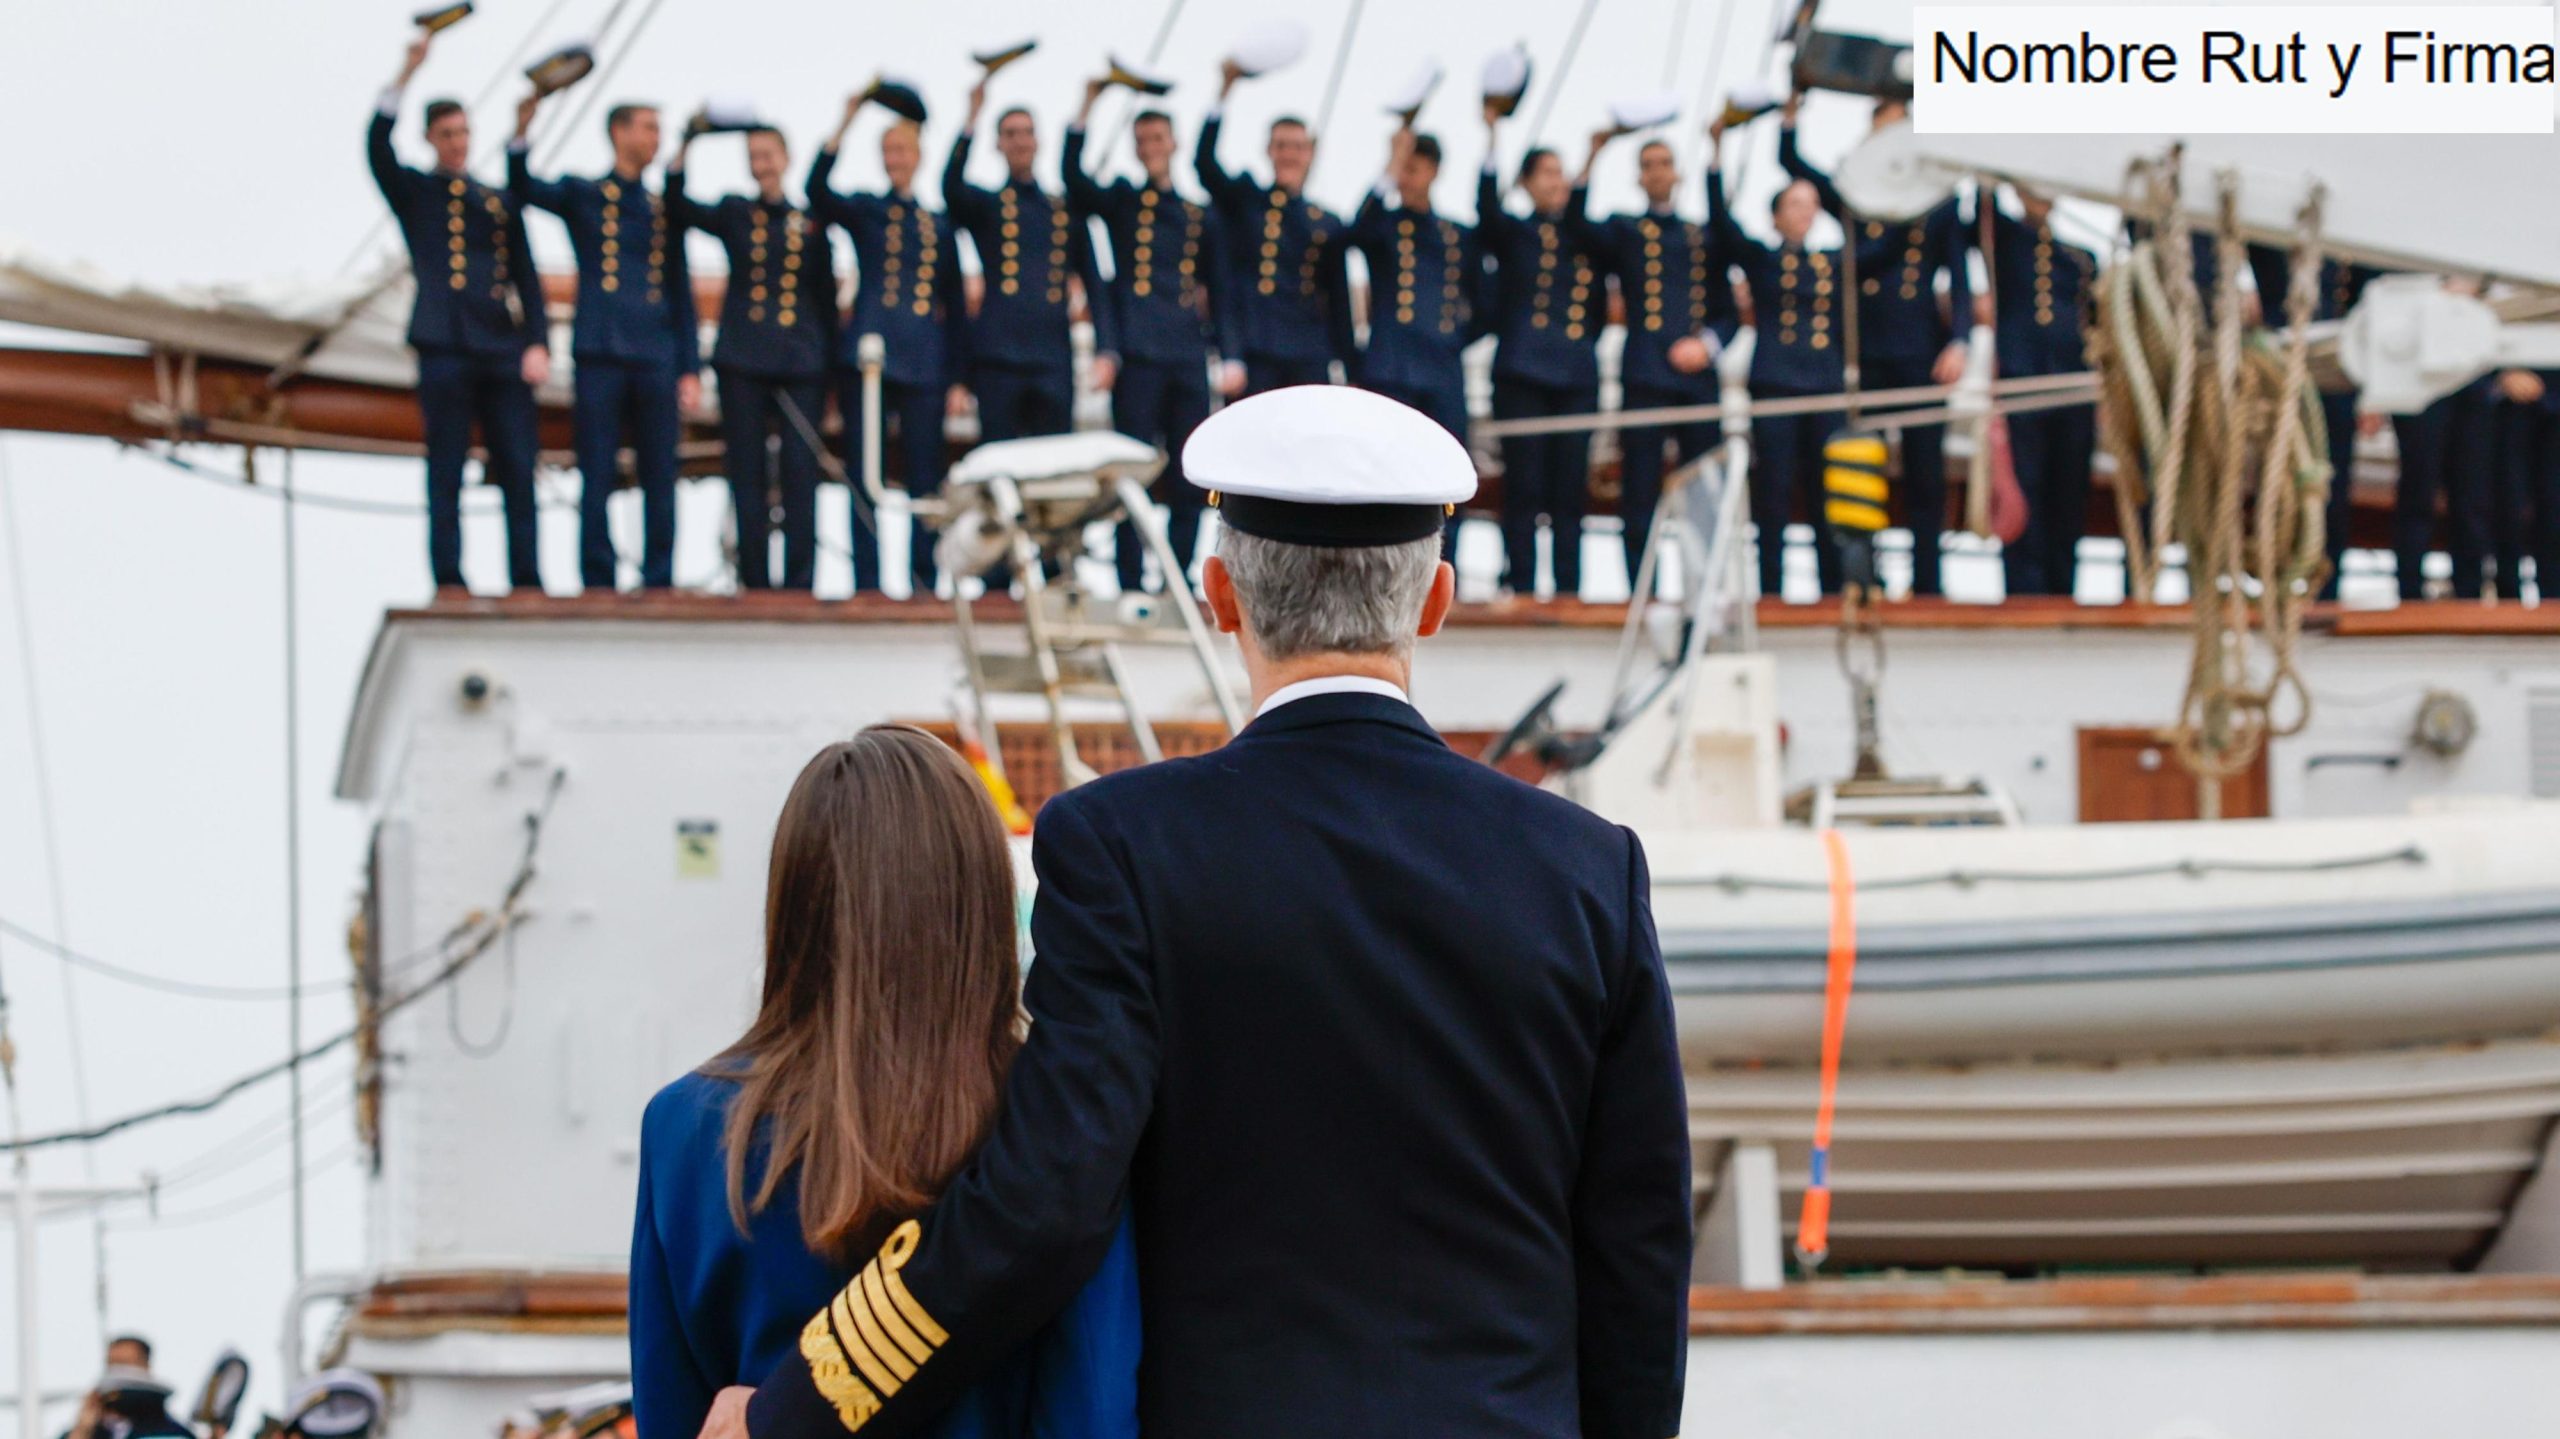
2210	424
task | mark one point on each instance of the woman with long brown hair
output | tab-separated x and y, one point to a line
873	1067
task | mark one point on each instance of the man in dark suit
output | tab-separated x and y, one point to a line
2044	287
1173	309
477	326
777	327
1021	348
910	293
1680	315
1394	1098
1427	298
1293	300
637	345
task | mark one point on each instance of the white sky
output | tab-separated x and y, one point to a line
177	140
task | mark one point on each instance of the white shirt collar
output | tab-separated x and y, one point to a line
1331	685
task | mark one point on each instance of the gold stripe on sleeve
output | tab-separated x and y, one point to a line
893	1257
854	1402
850	1329
869	1329
876	1295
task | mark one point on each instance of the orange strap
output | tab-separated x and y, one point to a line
1813	1228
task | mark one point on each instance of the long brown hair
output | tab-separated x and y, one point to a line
891	989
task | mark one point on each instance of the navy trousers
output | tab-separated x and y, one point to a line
619	402
1160	403
1786	466
1264	372
2528	512
1014	403
911	447
751	414
1544	475
2050	449
2338	412
456	391
1923	480
2447	452
1641	461
1446	403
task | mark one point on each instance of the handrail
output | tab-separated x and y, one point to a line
2069	389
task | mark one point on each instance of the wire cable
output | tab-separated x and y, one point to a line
1564	67
559	134
240	1204
475	935
1341	61
140	979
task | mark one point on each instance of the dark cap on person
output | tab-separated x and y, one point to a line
1329	466
898	96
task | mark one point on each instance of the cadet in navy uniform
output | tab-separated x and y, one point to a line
1905	338
1394	1098
2341	285
1021	345
1169	293
1680	315
477	326
777	328
1293	300
1795	316
2043	287
910	293
1548	313
1426	283
635	340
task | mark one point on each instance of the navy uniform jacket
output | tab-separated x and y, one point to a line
1168	262
1285	252
1394	1096
1673	285
1795	304
907	289
1898	265
1028	245
778	316
635	296
2341	285
1548	309
1426	300
2043	288
477	288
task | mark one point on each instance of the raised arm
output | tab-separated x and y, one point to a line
1084	197
1631	1234
389	175
968	204
1031	1216
683	211
1721	228
1791	159
1224	187
522	187
1101	301
537	315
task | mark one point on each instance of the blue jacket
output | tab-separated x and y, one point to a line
1028	244
907	289
1795	305
635	296
778	314
1394	1097
2043	287
711	1307
477	289
1426	296
2341	285
1898	268
1285	253
1548	308
1175	320
1673	285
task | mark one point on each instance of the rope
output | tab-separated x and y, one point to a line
292	617
1333	81
1813	1227
2219	432
560	134
1564	67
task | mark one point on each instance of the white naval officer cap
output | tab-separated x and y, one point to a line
1643	112
335	1403
1272	45
1408	99
1506	78
1330	466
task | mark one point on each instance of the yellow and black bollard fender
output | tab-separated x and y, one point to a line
1854	494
